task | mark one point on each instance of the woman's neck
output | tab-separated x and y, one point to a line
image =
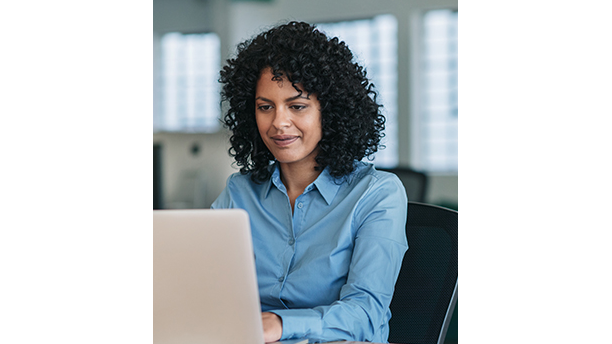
296	177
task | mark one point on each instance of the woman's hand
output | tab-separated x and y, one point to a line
272	327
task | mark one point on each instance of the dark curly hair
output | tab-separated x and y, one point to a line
350	116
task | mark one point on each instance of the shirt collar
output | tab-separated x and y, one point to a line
325	183
274	180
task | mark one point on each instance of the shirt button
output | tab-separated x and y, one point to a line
291	241
300	205
282	278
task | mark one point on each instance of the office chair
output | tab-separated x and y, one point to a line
426	290
414	181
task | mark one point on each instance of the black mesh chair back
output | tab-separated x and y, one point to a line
415	182
426	290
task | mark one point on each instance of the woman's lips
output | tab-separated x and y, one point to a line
284	140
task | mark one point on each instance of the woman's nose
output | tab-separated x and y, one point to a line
281	118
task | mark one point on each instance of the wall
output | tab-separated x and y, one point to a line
193	180
235	21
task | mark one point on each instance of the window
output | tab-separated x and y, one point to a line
187	91
374	44
437	114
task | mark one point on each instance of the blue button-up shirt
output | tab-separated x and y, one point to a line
328	268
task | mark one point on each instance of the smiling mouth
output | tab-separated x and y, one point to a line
284	140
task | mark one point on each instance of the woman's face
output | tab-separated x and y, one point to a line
289	123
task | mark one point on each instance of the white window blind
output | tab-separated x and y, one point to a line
187	87
438	122
374	44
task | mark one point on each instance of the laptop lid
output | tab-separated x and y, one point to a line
204	282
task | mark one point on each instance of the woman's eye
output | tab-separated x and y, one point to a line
298	107
264	107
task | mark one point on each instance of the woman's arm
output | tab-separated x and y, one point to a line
362	311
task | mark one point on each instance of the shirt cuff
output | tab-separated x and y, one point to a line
299	323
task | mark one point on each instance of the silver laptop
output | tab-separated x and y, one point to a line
204	281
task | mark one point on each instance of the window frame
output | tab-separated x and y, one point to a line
416	93
159	86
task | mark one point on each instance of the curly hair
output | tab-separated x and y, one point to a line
351	121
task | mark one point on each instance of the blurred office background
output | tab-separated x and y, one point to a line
408	47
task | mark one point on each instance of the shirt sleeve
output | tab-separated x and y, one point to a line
224	201
361	312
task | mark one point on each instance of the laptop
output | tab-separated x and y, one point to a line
204	281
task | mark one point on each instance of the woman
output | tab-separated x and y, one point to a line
328	230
